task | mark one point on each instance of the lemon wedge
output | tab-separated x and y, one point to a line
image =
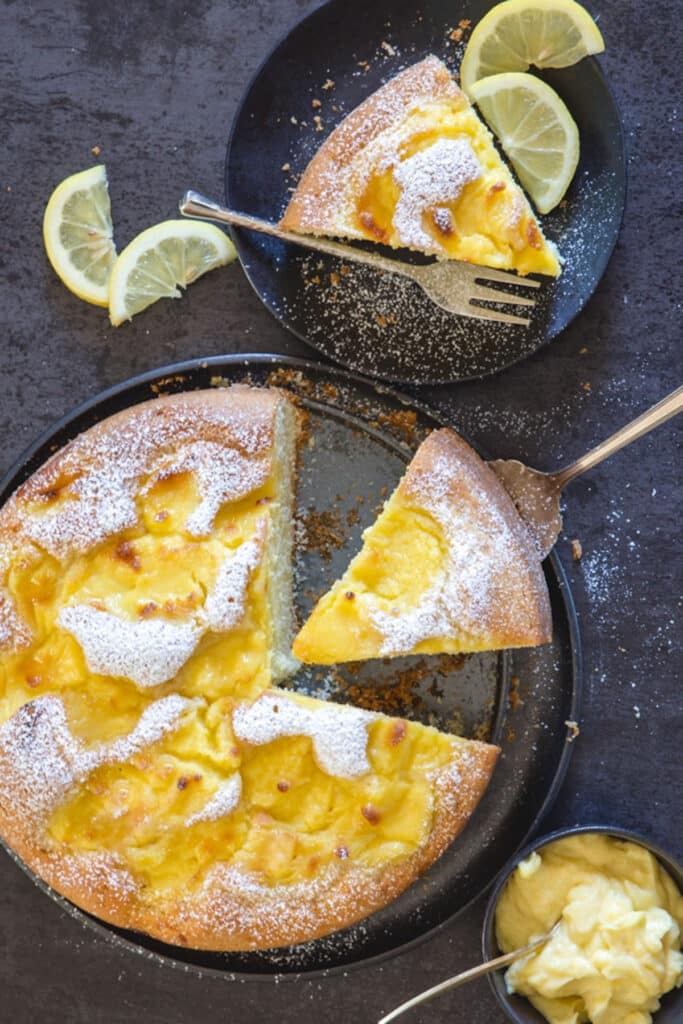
160	261
518	33
77	232
536	131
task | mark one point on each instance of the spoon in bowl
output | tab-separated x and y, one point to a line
470	975
537	495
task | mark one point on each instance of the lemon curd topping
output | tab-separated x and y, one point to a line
289	810
148	770
414	166
445	190
445	568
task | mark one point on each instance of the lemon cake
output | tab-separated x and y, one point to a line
149	771
414	166
447	567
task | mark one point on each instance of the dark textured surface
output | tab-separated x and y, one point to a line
155	85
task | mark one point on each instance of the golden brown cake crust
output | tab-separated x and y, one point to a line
309	208
41	761
517	612
223	916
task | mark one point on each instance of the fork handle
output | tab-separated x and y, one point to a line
193	204
659	413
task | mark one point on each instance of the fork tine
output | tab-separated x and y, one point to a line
501	276
496	295
483	313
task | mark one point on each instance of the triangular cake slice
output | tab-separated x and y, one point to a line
414	166
448	566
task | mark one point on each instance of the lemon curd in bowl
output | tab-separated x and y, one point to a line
149	769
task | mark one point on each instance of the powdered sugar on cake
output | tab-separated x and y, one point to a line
225	604
42	759
339	734
487	554
149	652
222	474
88	492
223	802
431	177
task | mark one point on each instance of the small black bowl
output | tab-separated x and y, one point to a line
519	1009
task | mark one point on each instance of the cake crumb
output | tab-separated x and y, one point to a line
388	48
286	167
577	550
316	104
514	697
329	84
96	150
574	730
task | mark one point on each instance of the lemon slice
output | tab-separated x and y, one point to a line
518	33
160	261
536	131
77	232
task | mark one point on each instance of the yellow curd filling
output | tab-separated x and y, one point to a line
201	795
291	820
618	947
488	223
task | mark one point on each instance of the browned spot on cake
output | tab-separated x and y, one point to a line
371	225
533	235
398	733
371	814
126	552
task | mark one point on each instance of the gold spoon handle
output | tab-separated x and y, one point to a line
465	976
659	413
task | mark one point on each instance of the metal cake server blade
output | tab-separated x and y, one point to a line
537	495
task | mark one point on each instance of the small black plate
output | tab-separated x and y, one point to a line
377	323
359	438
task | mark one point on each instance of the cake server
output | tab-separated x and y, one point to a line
537	495
450	284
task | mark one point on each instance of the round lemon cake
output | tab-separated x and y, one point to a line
150	769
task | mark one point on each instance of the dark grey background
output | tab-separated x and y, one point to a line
155	85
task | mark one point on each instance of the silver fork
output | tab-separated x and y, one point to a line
452	285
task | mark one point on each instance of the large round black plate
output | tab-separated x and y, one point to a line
377	323
360	437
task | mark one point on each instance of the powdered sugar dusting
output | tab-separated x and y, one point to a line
339	734
225	604
222	474
42	759
432	176
224	800
148	652
484	560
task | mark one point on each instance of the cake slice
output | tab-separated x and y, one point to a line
414	166
447	567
